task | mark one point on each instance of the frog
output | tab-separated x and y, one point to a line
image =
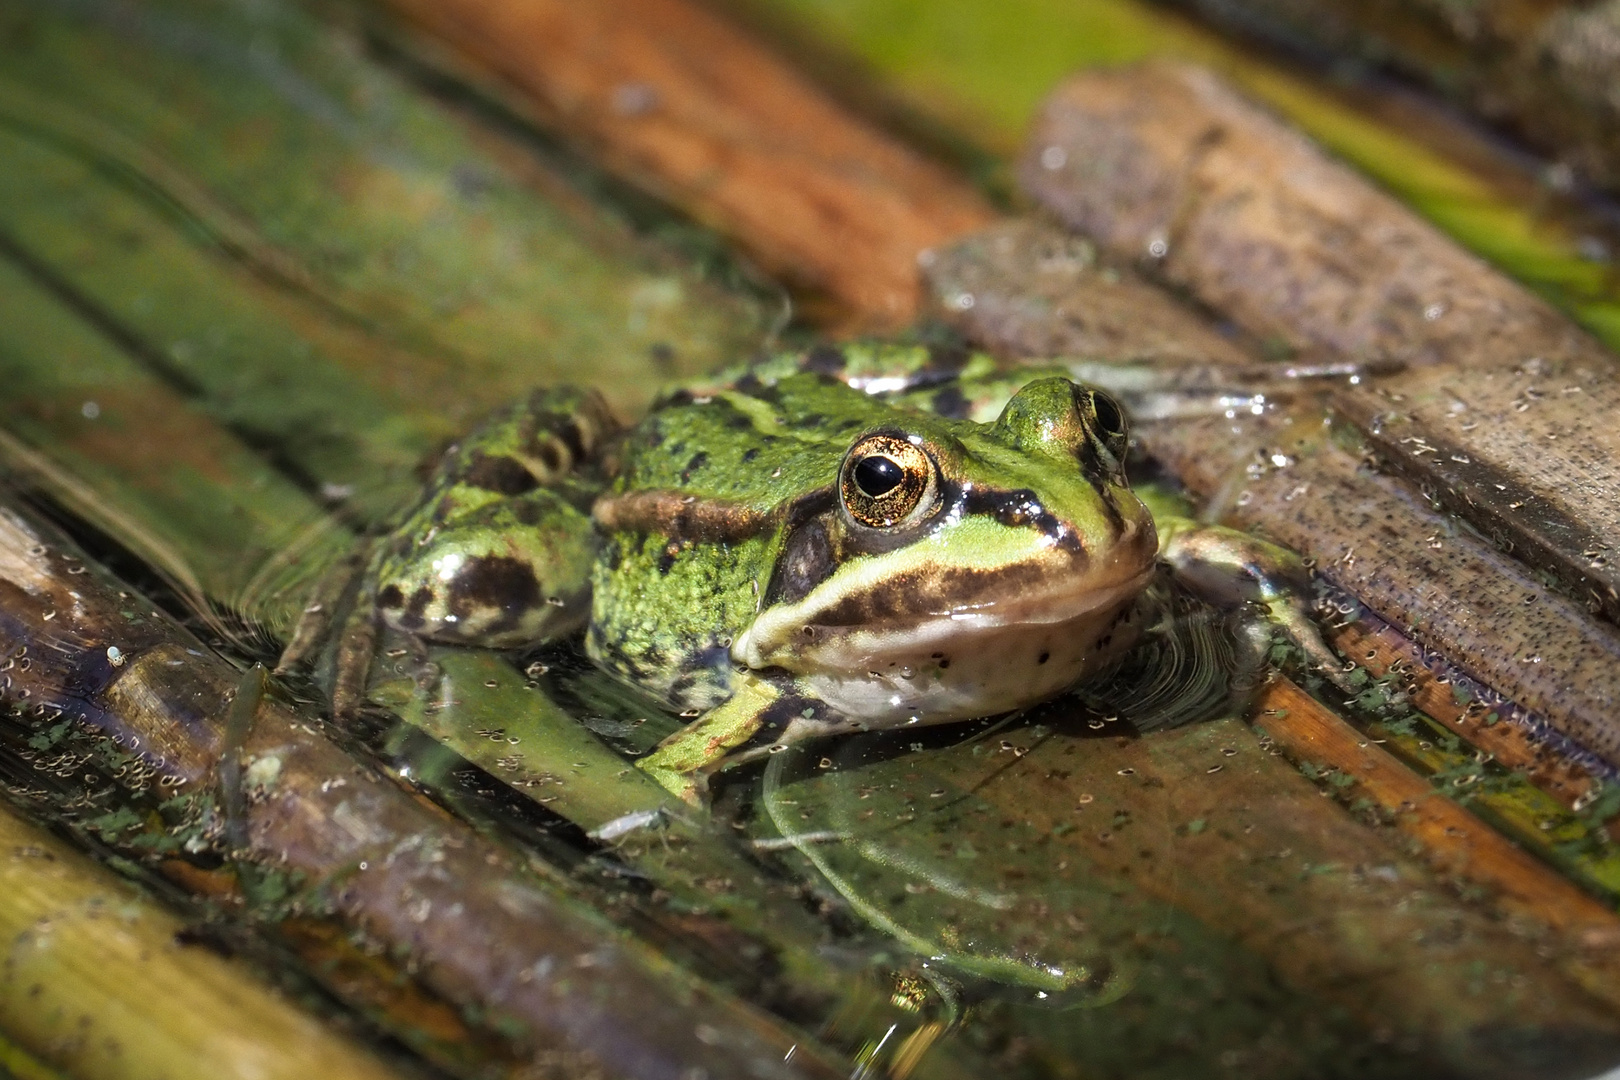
856	537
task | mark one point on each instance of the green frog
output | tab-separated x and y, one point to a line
846	538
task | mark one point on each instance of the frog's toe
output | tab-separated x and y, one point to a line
691	788
356	647
1229	568
1291	615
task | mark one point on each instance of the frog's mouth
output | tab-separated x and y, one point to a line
1006	651
940	623
1008	599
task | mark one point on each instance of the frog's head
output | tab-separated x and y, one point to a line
959	569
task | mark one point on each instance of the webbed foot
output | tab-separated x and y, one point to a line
683	763
1228	568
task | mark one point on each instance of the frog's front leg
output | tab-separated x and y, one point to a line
1229	568
761	715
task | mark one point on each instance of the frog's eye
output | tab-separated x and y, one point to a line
887	481
1105	421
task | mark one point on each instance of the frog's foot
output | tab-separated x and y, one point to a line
333	595
340	611
683	763
1229	568
356	648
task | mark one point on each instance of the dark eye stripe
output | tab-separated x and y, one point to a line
807	559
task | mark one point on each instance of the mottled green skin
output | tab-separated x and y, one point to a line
668	607
732	572
499	550
667	624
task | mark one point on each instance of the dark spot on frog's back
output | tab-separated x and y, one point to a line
573	437
952	404
411	617
494	581
699	459
500	474
550	455
945	360
750	454
824	360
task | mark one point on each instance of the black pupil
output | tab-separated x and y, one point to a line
877	475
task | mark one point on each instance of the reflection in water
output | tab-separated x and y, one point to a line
936	868
911	875
1056	888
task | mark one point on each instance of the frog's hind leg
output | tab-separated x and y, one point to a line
498	552
505	575
539	442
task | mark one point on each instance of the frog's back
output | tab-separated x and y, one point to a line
754	443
